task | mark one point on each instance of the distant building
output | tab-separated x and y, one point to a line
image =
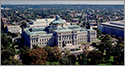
59	33
14	28
113	27
78	14
93	23
75	21
7	9
2	8
4	20
40	22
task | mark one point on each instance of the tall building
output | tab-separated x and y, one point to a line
113	27
59	33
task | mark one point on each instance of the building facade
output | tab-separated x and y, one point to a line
113	27
59	33
14	28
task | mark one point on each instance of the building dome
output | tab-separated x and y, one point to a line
57	17
58	20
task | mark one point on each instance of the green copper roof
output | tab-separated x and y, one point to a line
37	29
90	29
57	22
63	30
46	34
40	32
72	26
34	28
78	29
57	17
81	31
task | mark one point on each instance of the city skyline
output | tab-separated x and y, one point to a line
61	2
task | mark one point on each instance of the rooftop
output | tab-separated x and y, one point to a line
63	30
38	29
57	22
117	24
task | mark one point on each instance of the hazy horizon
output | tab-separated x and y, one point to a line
62	2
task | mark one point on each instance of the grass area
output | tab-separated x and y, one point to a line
16	52
111	59
53	63
102	64
99	38
107	63
77	63
85	43
104	51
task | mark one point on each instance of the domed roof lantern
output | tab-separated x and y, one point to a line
57	17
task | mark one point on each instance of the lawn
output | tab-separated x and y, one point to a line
77	63
107	63
111	59
53	63
56	63
99	38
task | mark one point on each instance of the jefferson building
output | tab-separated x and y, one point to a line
56	32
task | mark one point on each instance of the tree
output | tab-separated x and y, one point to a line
105	45
65	61
57	53
35	46
94	44
2	47
82	59
2	24
5	54
122	57
66	52
72	58
6	29
107	38
118	54
98	32
120	41
114	36
11	61
24	24
4	40
95	56
34	56
50	56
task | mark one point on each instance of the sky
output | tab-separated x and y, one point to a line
61	2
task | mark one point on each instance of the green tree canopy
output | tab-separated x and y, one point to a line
82	59
5	54
95	56
50	56
11	61
65	61
72	58
107	38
